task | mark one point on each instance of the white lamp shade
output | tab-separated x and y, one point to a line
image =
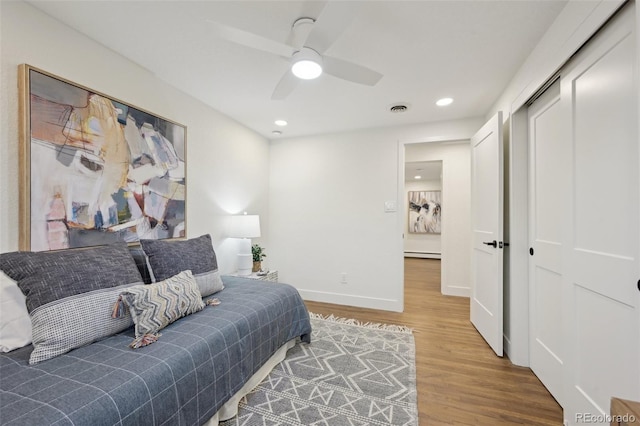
244	226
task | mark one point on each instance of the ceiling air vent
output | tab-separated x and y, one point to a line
396	109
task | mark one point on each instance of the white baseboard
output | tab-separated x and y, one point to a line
453	290
423	254
351	300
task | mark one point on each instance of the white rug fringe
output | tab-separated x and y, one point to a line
355	322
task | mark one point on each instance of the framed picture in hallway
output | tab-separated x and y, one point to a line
425	212
95	170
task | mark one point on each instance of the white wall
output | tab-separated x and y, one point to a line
227	169
456	210
420	243
327	215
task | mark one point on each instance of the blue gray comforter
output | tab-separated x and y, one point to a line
198	363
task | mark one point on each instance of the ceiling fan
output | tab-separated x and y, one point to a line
305	46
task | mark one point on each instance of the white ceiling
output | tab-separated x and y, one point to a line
467	50
427	170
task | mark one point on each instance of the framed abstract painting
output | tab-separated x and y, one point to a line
95	170
425	212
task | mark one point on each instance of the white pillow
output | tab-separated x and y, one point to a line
15	323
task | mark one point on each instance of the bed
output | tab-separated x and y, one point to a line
190	369
202	362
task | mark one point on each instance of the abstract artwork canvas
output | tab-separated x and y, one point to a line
94	169
425	212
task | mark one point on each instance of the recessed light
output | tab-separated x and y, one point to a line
417	177
444	101
280	123
276	132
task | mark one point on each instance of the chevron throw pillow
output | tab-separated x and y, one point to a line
155	306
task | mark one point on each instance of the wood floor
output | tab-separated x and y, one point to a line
460	380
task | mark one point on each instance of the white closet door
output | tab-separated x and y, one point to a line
599	94
487	189
548	177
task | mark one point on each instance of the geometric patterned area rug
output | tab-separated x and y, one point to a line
351	374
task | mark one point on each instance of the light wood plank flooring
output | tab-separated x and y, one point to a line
460	380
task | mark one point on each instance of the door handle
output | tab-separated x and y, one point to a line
493	243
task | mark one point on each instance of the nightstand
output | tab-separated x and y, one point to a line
270	276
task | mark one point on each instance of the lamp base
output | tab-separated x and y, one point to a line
245	258
245	264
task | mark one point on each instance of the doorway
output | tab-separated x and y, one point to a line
452	158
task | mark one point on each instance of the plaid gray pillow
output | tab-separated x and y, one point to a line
75	321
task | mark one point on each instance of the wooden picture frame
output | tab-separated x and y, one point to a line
94	169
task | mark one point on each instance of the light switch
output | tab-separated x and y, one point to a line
390	206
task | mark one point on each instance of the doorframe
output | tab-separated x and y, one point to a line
516	311
400	224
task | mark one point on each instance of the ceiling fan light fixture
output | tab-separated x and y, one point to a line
307	64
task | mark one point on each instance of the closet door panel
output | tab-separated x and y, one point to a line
602	324
548	195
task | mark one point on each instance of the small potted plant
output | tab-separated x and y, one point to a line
258	255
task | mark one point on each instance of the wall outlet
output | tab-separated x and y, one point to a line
343	278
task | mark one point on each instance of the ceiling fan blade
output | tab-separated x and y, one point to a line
350	71
254	41
285	86
334	19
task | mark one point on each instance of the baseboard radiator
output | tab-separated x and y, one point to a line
423	254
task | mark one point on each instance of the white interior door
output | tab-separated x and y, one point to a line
548	179
487	182
600	94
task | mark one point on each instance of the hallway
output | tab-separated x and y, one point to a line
460	380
